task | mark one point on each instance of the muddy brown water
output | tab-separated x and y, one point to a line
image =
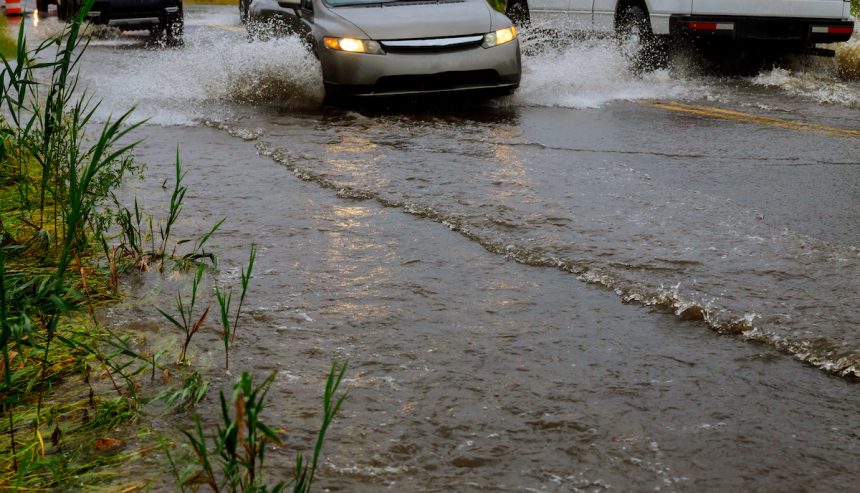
569	290
471	372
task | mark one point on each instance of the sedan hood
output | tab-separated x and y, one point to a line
415	20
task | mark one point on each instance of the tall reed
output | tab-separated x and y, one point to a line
48	129
186	322
133	233
225	299
235	461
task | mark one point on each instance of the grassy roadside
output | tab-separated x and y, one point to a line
65	387
72	392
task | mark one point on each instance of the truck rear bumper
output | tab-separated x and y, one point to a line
803	32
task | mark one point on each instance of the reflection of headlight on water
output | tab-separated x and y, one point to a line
500	37
353	45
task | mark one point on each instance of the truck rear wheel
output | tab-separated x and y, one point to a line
67	9
518	12
645	50
243	10
172	30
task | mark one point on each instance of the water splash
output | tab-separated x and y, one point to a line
178	86
848	59
181	86
810	85
588	73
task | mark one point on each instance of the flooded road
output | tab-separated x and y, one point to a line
602	282
470	372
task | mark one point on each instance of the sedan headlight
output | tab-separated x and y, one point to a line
353	45
500	37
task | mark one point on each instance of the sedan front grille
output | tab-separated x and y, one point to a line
432	44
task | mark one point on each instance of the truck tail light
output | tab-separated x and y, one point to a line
832	29
711	26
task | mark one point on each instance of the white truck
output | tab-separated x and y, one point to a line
784	25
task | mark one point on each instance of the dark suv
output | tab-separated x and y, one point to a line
161	17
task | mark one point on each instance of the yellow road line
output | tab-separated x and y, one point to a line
235	29
726	114
768	118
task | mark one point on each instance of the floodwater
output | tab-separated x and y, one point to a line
603	282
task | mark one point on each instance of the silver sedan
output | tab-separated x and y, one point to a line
398	47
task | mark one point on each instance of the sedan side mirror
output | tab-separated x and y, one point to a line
290	4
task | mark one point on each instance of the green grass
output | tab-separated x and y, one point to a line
59	442
8	46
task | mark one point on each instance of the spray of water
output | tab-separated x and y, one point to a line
217	65
848	59
183	85
588	73
820	87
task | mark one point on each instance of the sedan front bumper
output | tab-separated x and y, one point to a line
418	72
